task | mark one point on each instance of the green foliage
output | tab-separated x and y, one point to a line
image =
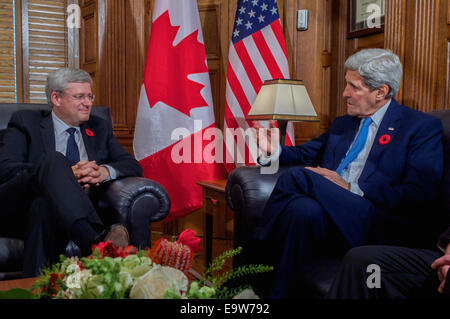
106	274
17	293
49	283
170	294
195	292
106	278
216	278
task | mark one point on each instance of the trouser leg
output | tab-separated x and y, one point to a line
353	215
56	201
404	273
66	198
16	195
44	241
72	210
301	232
296	226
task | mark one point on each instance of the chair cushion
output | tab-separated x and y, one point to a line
11	254
10	275
444	116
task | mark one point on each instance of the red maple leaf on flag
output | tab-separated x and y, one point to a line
168	67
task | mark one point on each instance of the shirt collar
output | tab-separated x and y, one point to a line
59	125
377	117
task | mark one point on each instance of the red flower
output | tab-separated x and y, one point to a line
188	238
89	132
53	278
124	252
80	264
52	286
384	139
106	249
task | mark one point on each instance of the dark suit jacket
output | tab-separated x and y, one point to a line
30	135
444	238
402	177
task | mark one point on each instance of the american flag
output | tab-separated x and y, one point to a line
257	53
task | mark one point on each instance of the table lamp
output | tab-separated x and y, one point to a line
283	100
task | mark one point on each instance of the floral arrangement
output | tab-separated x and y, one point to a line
160	272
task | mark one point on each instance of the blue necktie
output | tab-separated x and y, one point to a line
358	145
72	151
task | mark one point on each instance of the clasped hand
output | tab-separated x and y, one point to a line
442	265
330	175
89	173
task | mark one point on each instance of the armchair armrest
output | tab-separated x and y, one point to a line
247	191
139	202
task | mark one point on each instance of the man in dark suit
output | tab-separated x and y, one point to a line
360	182
53	165
402	272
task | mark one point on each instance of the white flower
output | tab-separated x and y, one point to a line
68	263
100	289
118	286
157	281
72	268
74	281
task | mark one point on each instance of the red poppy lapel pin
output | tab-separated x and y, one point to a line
89	132
384	139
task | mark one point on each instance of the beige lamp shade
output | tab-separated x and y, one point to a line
283	100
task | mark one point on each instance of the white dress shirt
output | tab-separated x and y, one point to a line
353	171
61	137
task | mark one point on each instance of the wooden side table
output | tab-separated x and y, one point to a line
211	190
17	283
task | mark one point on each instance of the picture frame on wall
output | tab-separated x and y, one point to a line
365	17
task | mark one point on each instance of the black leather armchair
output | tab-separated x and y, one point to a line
134	202
247	192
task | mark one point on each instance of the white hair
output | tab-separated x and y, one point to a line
59	80
377	67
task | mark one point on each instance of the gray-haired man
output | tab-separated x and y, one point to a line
368	179
47	162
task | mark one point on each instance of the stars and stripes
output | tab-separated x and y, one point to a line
257	53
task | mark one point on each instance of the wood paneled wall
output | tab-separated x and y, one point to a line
310	58
446	61
113	38
416	30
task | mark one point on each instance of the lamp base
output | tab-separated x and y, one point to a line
282	125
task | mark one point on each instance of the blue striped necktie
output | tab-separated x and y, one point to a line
72	151
358	145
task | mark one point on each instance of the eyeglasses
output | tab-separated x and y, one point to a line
80	97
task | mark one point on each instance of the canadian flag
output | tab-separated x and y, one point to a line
173	139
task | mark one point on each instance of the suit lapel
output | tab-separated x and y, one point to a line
346	140
48	133
390	125
88	141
